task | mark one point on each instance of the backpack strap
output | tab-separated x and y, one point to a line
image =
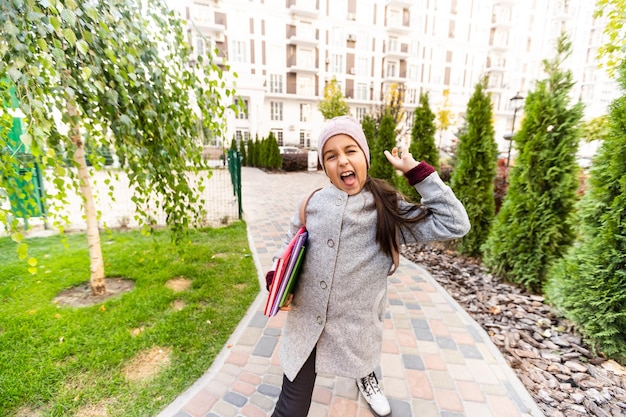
303	206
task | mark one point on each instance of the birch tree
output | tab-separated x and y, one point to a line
121	75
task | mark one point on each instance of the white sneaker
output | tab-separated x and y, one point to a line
368	385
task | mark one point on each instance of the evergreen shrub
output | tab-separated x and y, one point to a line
589	283
534	226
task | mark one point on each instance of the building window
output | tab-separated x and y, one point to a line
361	112
413	72
278	134
276	110
361	91
238	53
362	66
202	13
337	63
199	46
410	95
276	83
305	138
242	135
305	112
391	69
305	86
393	45
395	18
306	58
364	43
242	112
336	37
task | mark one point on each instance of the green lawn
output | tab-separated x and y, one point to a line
57	360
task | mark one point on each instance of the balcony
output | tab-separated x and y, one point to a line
302	66
398	28
400	54
302	41
303	11
499	46
405	4
210	28
395	77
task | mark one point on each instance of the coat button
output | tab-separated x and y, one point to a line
319	320
338	202
323	285
330	243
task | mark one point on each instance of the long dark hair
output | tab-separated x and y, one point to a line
392	219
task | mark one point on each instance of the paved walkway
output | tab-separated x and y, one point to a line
436	360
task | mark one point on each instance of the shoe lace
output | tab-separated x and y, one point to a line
370	384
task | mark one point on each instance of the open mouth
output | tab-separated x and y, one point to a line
348	178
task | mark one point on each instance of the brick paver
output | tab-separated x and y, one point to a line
436	360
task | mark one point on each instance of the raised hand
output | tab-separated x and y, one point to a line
402	161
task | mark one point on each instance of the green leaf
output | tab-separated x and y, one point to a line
14	73
10	28
92	13
26	139
17	237
55	22
82	47
42	44
86	73
32	261
69	17
125	120
22	251
69	36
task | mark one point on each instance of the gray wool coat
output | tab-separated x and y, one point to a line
341	294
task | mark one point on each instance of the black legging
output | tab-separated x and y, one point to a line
295	396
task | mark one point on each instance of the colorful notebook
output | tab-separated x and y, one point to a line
291	272
280	266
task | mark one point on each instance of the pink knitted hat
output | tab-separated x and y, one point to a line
343	125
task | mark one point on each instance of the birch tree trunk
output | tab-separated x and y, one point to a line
96	262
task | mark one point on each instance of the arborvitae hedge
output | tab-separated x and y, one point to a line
472	178
273	158
533	228
369	129
253	152
589	283
423	145
244	154
386	140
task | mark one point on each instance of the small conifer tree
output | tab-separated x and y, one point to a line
386	140
423	134
252	151
533	227
472	179
369	129
244	153
589	283
274	159
263	151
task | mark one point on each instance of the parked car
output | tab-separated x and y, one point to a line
288	149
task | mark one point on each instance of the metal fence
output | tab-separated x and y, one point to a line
222	195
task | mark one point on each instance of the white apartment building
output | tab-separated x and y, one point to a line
285	51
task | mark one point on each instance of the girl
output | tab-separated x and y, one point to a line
355	225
